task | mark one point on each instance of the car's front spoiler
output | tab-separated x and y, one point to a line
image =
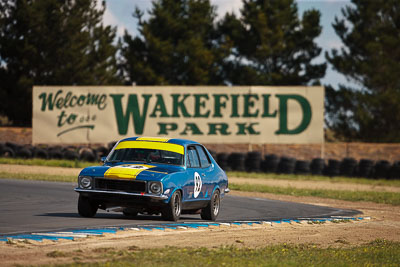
159	197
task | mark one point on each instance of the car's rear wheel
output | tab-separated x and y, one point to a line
212	210
172	211
86	207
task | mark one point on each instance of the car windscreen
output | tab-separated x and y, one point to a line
146	155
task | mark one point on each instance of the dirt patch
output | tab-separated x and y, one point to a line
384	224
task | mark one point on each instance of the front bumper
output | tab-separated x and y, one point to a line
146	195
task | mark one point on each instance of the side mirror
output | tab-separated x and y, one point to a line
103	159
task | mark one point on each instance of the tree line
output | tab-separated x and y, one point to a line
181	42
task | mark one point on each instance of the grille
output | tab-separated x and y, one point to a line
119	185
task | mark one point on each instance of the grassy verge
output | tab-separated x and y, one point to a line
377	197
355	180
377	253
48	162
79	164
38	177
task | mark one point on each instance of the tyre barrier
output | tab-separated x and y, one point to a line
348	167
286	165
302	167
253	161
250	162
237	161
317	166
222	160
270	163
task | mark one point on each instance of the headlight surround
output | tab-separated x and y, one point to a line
155	187
85	182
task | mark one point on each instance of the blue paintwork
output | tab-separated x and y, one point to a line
174	177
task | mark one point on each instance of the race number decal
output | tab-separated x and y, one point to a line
197	184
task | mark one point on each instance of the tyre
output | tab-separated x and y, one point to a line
365	168
212	210
87	154
348	167
270	163
222	160
236	161
333	168
286	165
172	211
70	155
86	208
253	161
55	153
7	152
302	167
40	153
382	169
317	166
24	153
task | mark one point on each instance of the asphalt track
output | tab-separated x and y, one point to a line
33	206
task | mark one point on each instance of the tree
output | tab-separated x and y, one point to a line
52	42
370	58
176	45
271	45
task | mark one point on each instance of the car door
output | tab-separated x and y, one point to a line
205	172
194	171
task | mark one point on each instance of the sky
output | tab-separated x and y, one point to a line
119	14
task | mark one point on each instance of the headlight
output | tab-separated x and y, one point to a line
155	187
85	182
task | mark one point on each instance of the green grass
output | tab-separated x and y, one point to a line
355	180
377	197
377	253
48	162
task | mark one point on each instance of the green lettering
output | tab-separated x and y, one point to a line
283	114
249	103
179	104
122	118
266	107
244	127
234	112
198	104
49	100
160	107
218	104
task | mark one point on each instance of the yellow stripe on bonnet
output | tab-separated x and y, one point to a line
126	171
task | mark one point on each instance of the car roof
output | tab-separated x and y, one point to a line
182	142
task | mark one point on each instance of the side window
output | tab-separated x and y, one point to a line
204	160
193	158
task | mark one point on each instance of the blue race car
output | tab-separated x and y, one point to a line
151	176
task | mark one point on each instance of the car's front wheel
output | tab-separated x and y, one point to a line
86	207
212	210
172	211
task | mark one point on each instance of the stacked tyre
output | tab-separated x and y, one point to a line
270	163
253	161
237	162
286	165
